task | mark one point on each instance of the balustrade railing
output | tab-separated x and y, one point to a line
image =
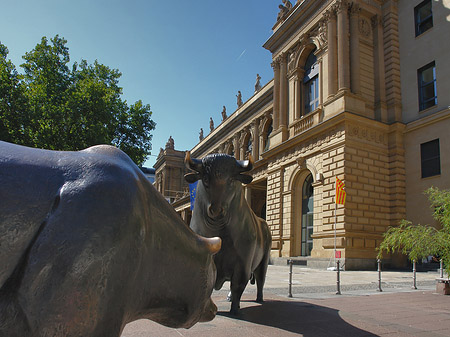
306	122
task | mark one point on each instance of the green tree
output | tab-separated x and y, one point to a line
420	241
13	108
71	108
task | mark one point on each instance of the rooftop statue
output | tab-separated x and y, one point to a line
258	83
284	10
211	124
287	4
200	136
88	245
224	113
239	99
170	145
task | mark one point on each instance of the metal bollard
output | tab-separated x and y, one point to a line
414	275
441	269
338	281
290	277
379	275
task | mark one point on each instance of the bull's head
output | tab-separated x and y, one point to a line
221	176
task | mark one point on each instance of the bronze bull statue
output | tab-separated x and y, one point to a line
87	245
221	210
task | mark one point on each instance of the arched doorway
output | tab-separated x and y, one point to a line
303	206
307	216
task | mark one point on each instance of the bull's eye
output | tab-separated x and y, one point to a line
205	180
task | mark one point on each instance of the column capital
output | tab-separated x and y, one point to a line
376	20
282	59
355	9
330	13
342	5
255	123
275	64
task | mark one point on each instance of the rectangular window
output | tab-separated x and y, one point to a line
430	158
426	77
423	16
312	94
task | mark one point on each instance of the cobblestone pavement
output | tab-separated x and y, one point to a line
316	310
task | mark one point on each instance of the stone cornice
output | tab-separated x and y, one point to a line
300	17
428	120
342	119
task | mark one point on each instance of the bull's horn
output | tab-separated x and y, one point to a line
187	159
192	164
246	165
212	244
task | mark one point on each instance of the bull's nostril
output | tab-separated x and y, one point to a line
215	211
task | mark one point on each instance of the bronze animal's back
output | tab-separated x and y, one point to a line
88	245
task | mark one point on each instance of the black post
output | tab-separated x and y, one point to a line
338	282
290	277
379	275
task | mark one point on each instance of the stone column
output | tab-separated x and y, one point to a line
343	45
380	79
293	97
261	135
243	143
355	63
330	16
283	92
237	148
255	138
276	94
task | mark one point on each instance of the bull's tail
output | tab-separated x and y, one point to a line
252	279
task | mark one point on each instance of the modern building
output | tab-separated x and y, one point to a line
149	173
361	93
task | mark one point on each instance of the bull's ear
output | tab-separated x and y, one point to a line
244	178
191	177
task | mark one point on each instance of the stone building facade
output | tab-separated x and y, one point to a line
339	105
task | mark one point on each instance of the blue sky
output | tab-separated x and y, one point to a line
185	58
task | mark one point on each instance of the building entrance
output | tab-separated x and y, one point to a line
307	216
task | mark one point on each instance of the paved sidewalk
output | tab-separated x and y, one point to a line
316	310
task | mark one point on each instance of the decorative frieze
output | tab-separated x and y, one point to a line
367	134
312	144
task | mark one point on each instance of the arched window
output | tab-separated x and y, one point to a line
307	216
311	83
266	137
230	150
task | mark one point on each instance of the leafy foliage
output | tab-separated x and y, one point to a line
420	241
57	107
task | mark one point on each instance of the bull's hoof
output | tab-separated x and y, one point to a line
259	300
235	312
